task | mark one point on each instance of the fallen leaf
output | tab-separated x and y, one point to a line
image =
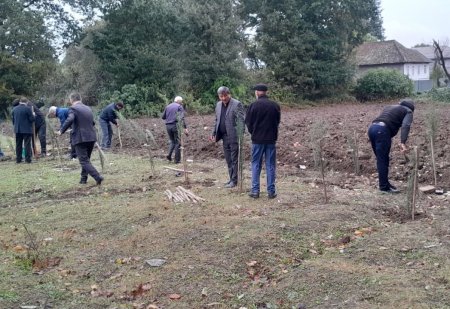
252	263
174	296
19	249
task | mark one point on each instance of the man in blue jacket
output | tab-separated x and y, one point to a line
107	116
23	118
262	120
174	113
381	132
62	113
84	136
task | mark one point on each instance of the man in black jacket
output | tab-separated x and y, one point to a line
40	128
83	136
262	120
23	118
381	132
108	115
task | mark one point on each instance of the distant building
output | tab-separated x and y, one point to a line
428	52
393	55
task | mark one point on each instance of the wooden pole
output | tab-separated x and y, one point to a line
120	138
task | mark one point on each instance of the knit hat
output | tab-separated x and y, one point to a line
408	103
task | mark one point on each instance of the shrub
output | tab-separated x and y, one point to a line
140	100
437	95
383	84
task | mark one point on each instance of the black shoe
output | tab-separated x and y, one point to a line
390	190
393	187
83	181
253	195
99	180
169	158
272	195
231	184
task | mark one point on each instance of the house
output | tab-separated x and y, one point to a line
393	55
428	51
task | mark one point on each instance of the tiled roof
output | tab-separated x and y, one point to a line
387	52
428	51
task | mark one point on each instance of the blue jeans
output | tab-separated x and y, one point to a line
107	133
381	141
269	152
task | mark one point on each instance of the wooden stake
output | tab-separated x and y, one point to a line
176	169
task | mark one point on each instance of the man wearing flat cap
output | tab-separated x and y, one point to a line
262	120
229	112
381	132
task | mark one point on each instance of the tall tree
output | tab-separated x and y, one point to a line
170	44
306	43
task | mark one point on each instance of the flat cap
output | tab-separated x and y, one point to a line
260	87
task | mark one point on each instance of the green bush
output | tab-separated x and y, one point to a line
437	95
383	84
140	100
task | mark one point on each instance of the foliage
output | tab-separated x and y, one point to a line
306	44
140	100
383	84
437	95
193	44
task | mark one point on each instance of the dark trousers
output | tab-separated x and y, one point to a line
381	141
107	133
23	139
231	152
174	138
84	151
41	133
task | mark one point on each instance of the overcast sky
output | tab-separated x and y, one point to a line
412	22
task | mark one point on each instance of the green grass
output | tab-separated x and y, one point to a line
208	245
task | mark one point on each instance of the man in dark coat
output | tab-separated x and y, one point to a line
23	118
173	113
40	128
83	136
107	116
229	117
381	132
262	120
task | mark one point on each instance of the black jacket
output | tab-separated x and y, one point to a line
82	121
262	120
40	117
109	113
396	117
22	118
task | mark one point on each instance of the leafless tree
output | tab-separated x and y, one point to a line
438	51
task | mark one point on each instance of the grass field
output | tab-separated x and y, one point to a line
65	245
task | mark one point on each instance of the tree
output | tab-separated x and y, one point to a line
171	46
306	43
438	50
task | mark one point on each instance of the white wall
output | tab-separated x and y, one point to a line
417	71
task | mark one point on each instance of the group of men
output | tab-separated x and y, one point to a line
262	120
28	120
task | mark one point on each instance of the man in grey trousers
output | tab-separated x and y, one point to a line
229	112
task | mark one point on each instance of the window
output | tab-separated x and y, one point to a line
425	69
418	70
